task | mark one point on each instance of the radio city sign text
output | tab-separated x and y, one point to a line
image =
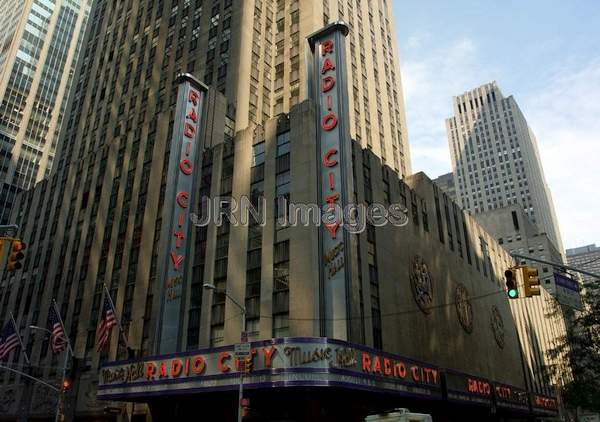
329	123
186	168
289	355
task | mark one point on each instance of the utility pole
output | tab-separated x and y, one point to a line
242	368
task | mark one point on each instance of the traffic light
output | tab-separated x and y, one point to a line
531	281
16	255
511	283
245	405
248	363
71	375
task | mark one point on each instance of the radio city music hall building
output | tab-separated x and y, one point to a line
340	324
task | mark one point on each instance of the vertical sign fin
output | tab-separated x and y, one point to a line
186	147
328	89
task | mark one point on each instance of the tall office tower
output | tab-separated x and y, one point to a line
39	45
585	258
495	158
251	51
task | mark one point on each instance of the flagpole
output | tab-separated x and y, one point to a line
19	337
63	327
61	393
112	305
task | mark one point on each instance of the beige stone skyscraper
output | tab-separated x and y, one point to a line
495	158
375	88
39	44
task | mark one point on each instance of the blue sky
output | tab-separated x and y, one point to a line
544	52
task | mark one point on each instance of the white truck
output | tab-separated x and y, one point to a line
399	415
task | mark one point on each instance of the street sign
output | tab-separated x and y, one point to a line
242	350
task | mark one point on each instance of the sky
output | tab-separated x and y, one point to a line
546	53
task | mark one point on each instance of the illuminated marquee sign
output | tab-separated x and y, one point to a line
277	362
466	388
511	397
543	404
328	89
185	147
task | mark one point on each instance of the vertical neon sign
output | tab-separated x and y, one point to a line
175	237
328	89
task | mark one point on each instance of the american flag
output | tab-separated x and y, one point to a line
107	321
9	339
58	338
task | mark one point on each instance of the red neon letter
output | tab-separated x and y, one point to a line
192	115
377	365
415	373
198	365
329	122
269	356
326	47
327	66
178	239
327	83
332	199
182	198
176	367
387	367
326	158
162	370
186	167
194	97
221	365
150	370
177	260
332	229
189	130
400	370
366	362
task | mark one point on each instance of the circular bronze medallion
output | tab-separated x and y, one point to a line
497	324
421	284
464	309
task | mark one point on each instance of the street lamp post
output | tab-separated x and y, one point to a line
242	309
64	373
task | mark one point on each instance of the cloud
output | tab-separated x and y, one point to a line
561	106
564	115
431	75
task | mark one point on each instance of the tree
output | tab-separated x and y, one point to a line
582	345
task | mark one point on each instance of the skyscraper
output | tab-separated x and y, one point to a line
585	258
252	51
39	45
495	158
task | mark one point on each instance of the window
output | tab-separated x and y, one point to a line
258	154
217	335
281	326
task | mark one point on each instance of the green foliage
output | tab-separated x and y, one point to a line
583	347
